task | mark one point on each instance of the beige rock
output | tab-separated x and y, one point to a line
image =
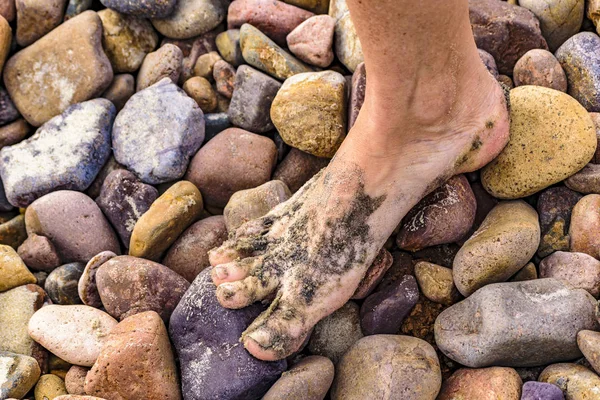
347	44
205	64
65	67
192	18
580	270
576	381
13	232
35	18
543	122
13	271
559	19
5	40
589	344
19	375
164	62
120	90
75	379
309	379
506	240
202	92
49	387
495	383
436	283
75	333
585	223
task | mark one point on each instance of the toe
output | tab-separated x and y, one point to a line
242	293
234	271
224	254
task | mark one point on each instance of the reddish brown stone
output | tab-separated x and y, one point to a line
540	67
493	383
357	93
224	75
39	254
297	168
374	274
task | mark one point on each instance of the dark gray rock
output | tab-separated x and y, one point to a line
253	94
554	208
517	324
4	204
206	338
38	253
157	132
123	199
384	311
541	391
215	124
76	7
61	283
67	152
142	8
8	111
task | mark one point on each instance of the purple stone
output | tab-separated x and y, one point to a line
541	391
383	311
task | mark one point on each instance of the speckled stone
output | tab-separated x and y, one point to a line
126	40
543	121
559	19
153	376
49	387
580	58
275	19
65	67
580	270
262	53
86	287
42	164
130	285
540	67
123	200
73	223
309	379
142	8
576	381
541	391
312	41
206	338
38	253
436	283
192	18
74	333
20	374
495	383
205	65
166	62
157	132
202	92
13	232
347	44
228	44
61	283
252	98
35	18
309	112
482	330
75	379
13	271
585	222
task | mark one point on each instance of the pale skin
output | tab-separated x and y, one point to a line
431	111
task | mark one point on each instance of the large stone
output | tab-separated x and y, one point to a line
136	362
540	67
309	112
65	67
495	383
504	30
580	270
166	62
35	18
585	222
13	271
74	333
312	41
157	132
543	121
347	44
73	223
67	152
206	338
517	324
19	374
192	18
559	19
142	8
506	240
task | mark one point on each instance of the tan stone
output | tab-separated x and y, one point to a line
527	273
164	62
13	232
201	91
35	18
136	362
309	379
436	283
205	64
75	379
5	40
585	224
495	383
576	381
13	271
49	387
65	67
316	6
167	218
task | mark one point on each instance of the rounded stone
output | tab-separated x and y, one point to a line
224	76
192	18
228	44
94	190
73	223
74	333
589	344
506	240
20	374
309	112
201	91
14	132
578	269
312	41
347	44
585	222
12	232
165	220
541	391
61	283
205	65
585	181
527	273
13	271
39	253
157	132
129	285
309	379
436	283
297	168
86	287
142	8
120	90
576	381
166	62
220	169
559	19
49	387
543	121
368	369
539	67
495	383
35	18
75	380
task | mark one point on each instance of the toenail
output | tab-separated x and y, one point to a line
221	272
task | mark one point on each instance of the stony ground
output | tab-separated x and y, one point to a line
136	134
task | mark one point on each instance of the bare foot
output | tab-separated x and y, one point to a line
310	253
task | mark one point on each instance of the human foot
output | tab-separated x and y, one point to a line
309	254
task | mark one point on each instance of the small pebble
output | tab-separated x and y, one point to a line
35	18
541	391
49	387
297	168
495	383
585	222
201	91
205	65
75	380
12	232
527	273
94	189
554	208
8	10
224	76
76	7
14	132
316	6
215	123
61	283
436	283
540	67
166	62
38	253
13	271
86	287
576	381
312	41
228	43
120	90
191	18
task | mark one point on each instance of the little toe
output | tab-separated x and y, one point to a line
234	271
242	293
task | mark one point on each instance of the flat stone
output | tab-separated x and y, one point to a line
201	91
264	54
42	163
188	256
539	390
578	269
559	19
49	387
543	121
86	287
580	60
504	30
74	333
123	200
73	223
233	160
253	95
143	338
554	208
369	367
482	384
576	381
20	374
483	330
309	379
312	41
436	283
166	62
224	76
192	18
585	222
61	283
35	18
13	271
165	220
126	40
75	380
384	311
540	68
157	132
38	253
206	338
358	88
228	43
309	112
506	240
347	44
65	67
142	8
